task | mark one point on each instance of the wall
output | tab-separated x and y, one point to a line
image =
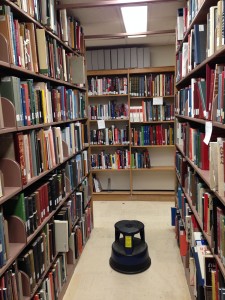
162	56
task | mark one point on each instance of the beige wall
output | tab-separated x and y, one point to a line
162	56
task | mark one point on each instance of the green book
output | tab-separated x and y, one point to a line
10	89
16	207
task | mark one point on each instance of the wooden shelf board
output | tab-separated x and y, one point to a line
8	130
154	146
107	95
42	125
150	97
4	64
152	70
112	192
115	145
172	193
201	121
14	250
153	169
107	72
111	120
153	122
9	193
109	170
135	196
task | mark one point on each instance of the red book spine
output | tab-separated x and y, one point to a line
183	243
27	104
224	165
206	212
19	152
204	153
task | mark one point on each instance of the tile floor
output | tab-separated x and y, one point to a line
94	279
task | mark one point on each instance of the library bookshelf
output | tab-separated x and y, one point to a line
199	141
46	210
135	131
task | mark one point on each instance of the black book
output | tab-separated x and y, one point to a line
28	224
52	228
36	260
29	201
24	265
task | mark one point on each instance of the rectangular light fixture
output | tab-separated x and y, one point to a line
135	19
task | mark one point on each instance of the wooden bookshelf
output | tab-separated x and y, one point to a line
57	161
192	170
127	181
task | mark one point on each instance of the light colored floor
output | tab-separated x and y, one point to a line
94	279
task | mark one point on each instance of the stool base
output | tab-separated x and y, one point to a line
136	262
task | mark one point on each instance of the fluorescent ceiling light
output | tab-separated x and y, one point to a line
135	19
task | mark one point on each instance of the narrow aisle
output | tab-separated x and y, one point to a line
94	279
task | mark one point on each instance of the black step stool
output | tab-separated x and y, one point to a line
129	253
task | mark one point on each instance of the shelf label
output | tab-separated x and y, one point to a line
157	100
128	241
208	132
101	124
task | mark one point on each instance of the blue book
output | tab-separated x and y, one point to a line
200	39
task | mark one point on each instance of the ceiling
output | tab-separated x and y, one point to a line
102	18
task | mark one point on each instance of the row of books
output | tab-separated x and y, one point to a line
60	24
152	112
185	15
76	169
45	12
207	157
57	276
203	41
149	112
152	135
71	32
121	159
33	207
34	49
198	257
193	51
210	211
152	85
107	86
118	160
57	236
192	143
11	283
40	150
112	110
140	159
55	279
38	102
110	136
191	101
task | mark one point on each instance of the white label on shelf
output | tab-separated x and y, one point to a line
17	118
208	132
101	124
157	100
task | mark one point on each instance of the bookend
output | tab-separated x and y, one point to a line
129	254
12	175
4	52
25	284
17	230
9	113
